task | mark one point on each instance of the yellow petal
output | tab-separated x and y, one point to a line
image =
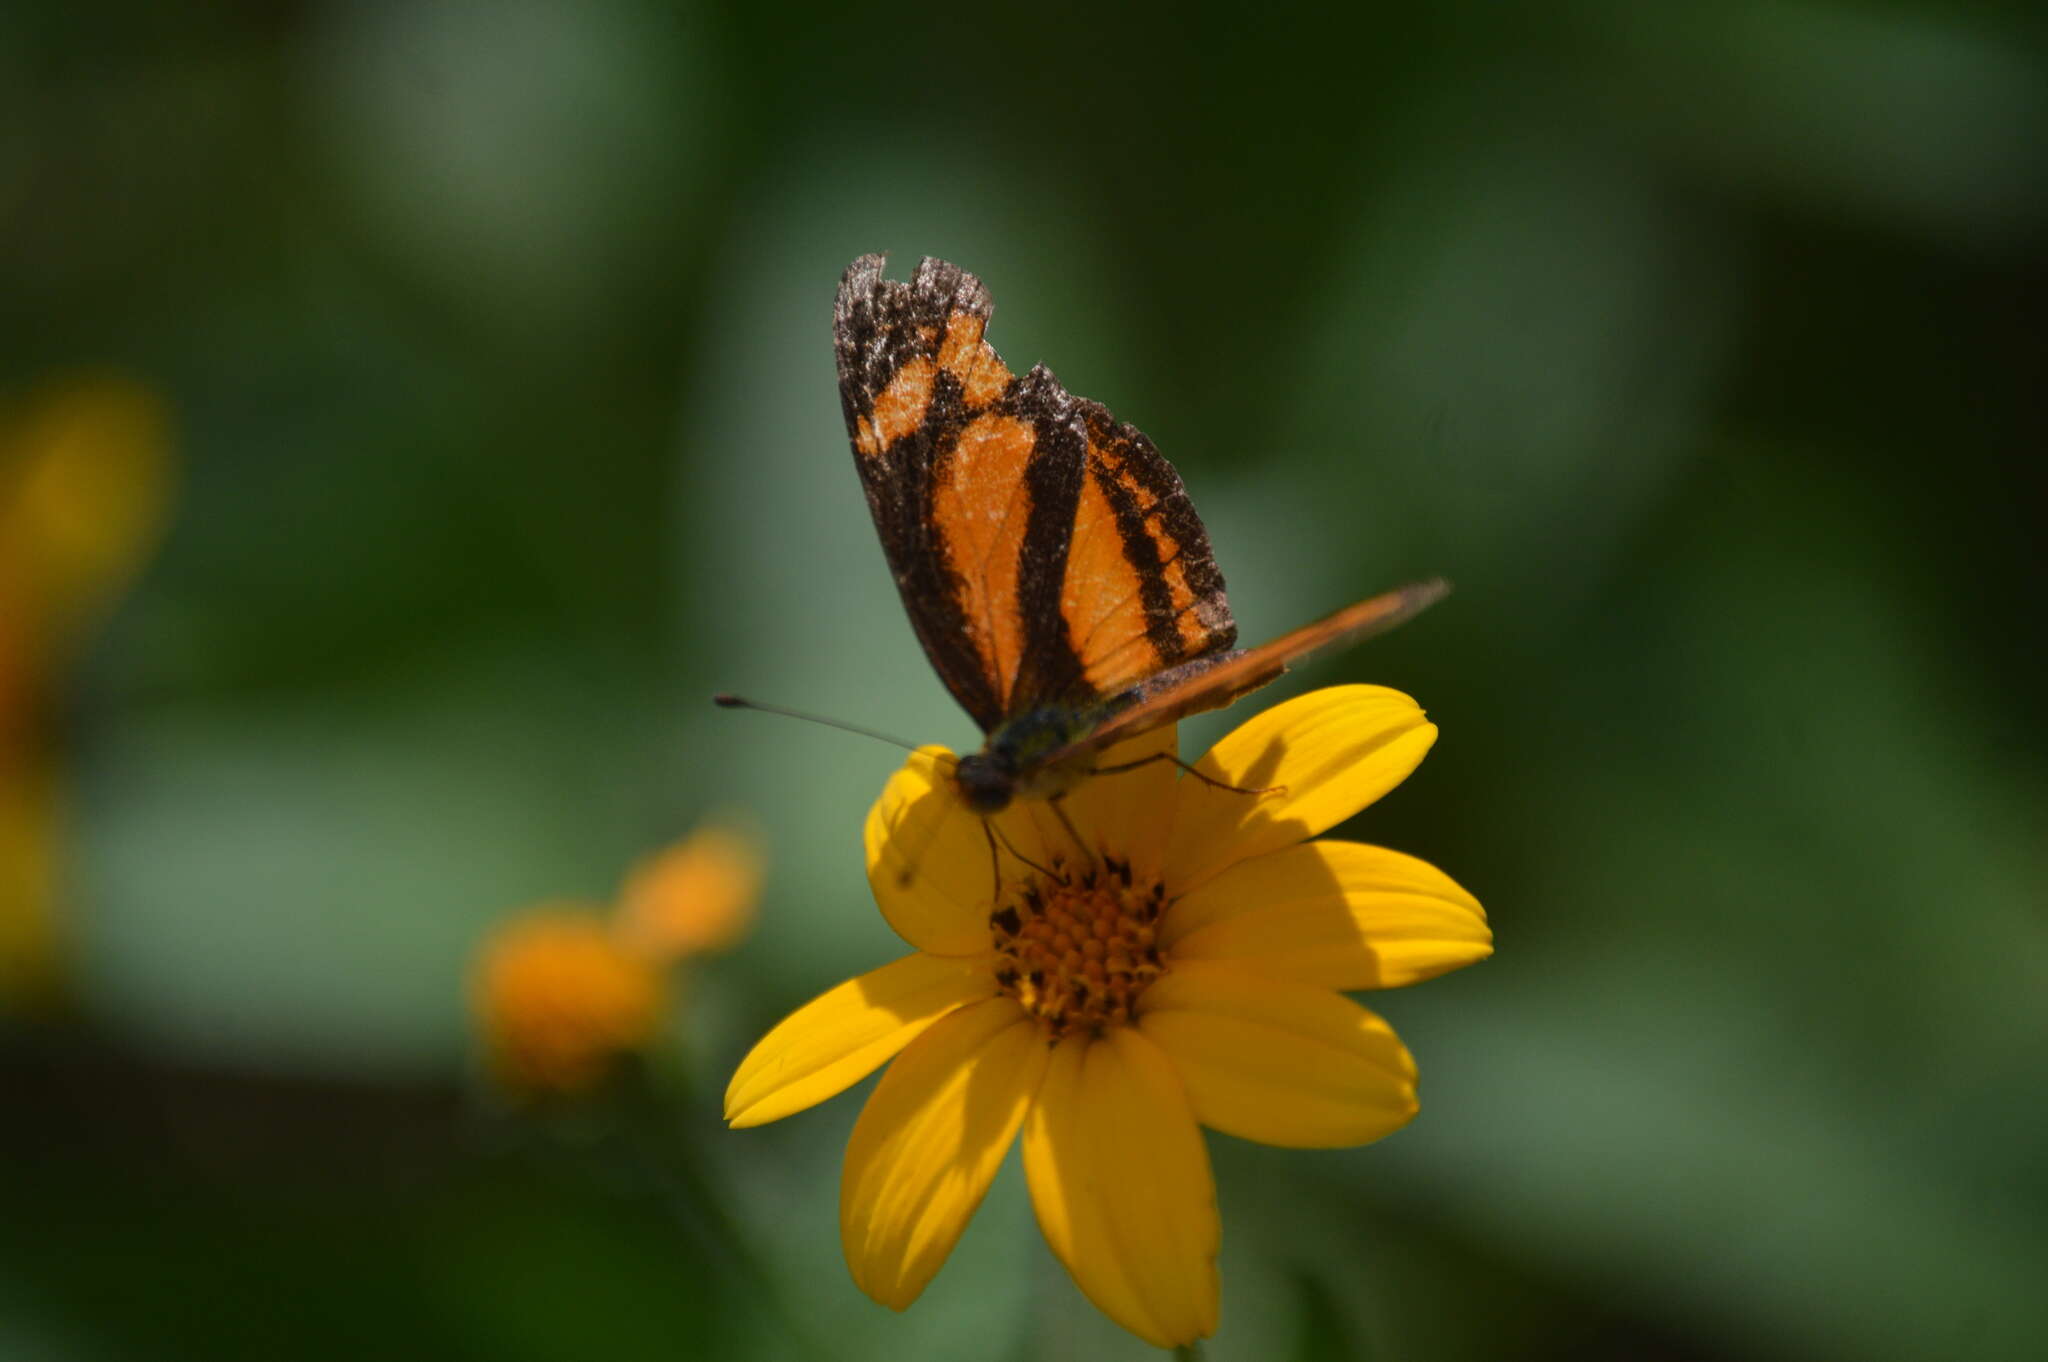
930	862
1278	1062
82	472
1332	913
842	1036
1321	757
696	896
1126	814
929	1142
1120	1181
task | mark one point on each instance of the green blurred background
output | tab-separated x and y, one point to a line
1701	347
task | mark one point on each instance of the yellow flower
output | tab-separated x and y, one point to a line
565	993
1182	967
83	464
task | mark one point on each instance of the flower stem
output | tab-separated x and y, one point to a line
1188	1352
671	1165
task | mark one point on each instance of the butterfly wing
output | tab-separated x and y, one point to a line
1142	592
1046	554
972	474
1211	682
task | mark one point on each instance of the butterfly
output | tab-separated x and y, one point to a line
1048	556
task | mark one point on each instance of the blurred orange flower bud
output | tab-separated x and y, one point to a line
561	1001
694	898
564	994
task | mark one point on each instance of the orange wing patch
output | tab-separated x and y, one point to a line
980	511
982	375
899	408
1102	600
905	404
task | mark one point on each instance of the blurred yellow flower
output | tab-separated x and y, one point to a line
693	898
1180	968
83	467
561	1000
565	993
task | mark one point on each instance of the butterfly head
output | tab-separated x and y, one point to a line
987	782
1032	756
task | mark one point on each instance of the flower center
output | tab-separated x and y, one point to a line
1078	954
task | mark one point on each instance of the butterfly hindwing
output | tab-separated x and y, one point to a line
1142	591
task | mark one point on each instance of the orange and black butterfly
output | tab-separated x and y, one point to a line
1052	566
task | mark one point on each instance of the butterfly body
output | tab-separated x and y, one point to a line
1047	554
1019	760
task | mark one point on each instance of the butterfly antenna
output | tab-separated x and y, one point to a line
726	701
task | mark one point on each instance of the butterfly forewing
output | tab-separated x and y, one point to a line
971	473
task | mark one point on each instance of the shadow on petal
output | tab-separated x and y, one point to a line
1337	914
1121	1185
929	1142
1292	772
928	859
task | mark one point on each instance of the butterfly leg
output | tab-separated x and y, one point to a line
1210	781
1059	809
995	865
995	834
